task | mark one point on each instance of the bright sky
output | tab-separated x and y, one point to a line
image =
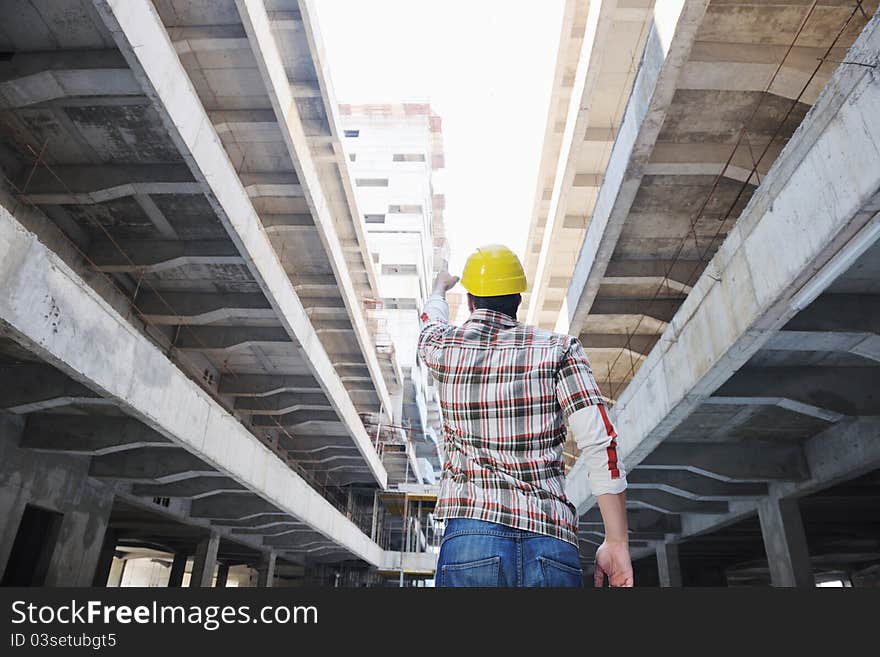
486	66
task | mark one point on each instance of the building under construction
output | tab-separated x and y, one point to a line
210	274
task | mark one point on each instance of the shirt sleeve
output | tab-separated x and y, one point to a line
434	325
575	386
597	440
581	401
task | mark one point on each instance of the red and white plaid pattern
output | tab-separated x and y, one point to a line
505	391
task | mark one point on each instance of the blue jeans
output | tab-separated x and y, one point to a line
478	553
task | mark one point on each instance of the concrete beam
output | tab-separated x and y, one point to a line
754	405
141	37
39	387
692	485
98	74
89	434
195	308
587	75
744	461
38	284
596	537
258	521
675	27
260	385
281	404
666	502
660	309
638	344
193	488
639	520
231	507
154	256
767	270
840	453
274	529
259	30
150	464
678	271
866	345
294	419
839	312
231	338
105	194
88	180
840	390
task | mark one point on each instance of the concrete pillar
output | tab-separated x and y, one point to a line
105	559
785	543
12	501
668	564
117	572
11	509
204	562
266	571
79	545
178	568
222	575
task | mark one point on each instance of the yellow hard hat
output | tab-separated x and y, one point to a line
492	271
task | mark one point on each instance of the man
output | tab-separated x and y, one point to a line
506	390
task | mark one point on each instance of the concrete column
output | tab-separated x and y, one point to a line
266	571
80	543
105	559
222	575
204	562
668	564
785	543
178	568
11	508
12	502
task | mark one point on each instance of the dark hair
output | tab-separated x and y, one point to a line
507	304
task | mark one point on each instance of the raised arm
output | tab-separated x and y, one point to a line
435	318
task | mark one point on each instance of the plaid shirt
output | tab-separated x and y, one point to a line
505	391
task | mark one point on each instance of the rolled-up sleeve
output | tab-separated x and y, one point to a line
581	401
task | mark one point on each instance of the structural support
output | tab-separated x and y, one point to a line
785	543
143	40
36	281
266	52
676	24
178	568
105	559
669	564
222	575
204	562
768	268
266	571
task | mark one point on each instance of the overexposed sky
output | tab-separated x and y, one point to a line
486	66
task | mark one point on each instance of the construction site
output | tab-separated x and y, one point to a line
212	269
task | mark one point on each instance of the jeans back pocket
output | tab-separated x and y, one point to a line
483	572
559	574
